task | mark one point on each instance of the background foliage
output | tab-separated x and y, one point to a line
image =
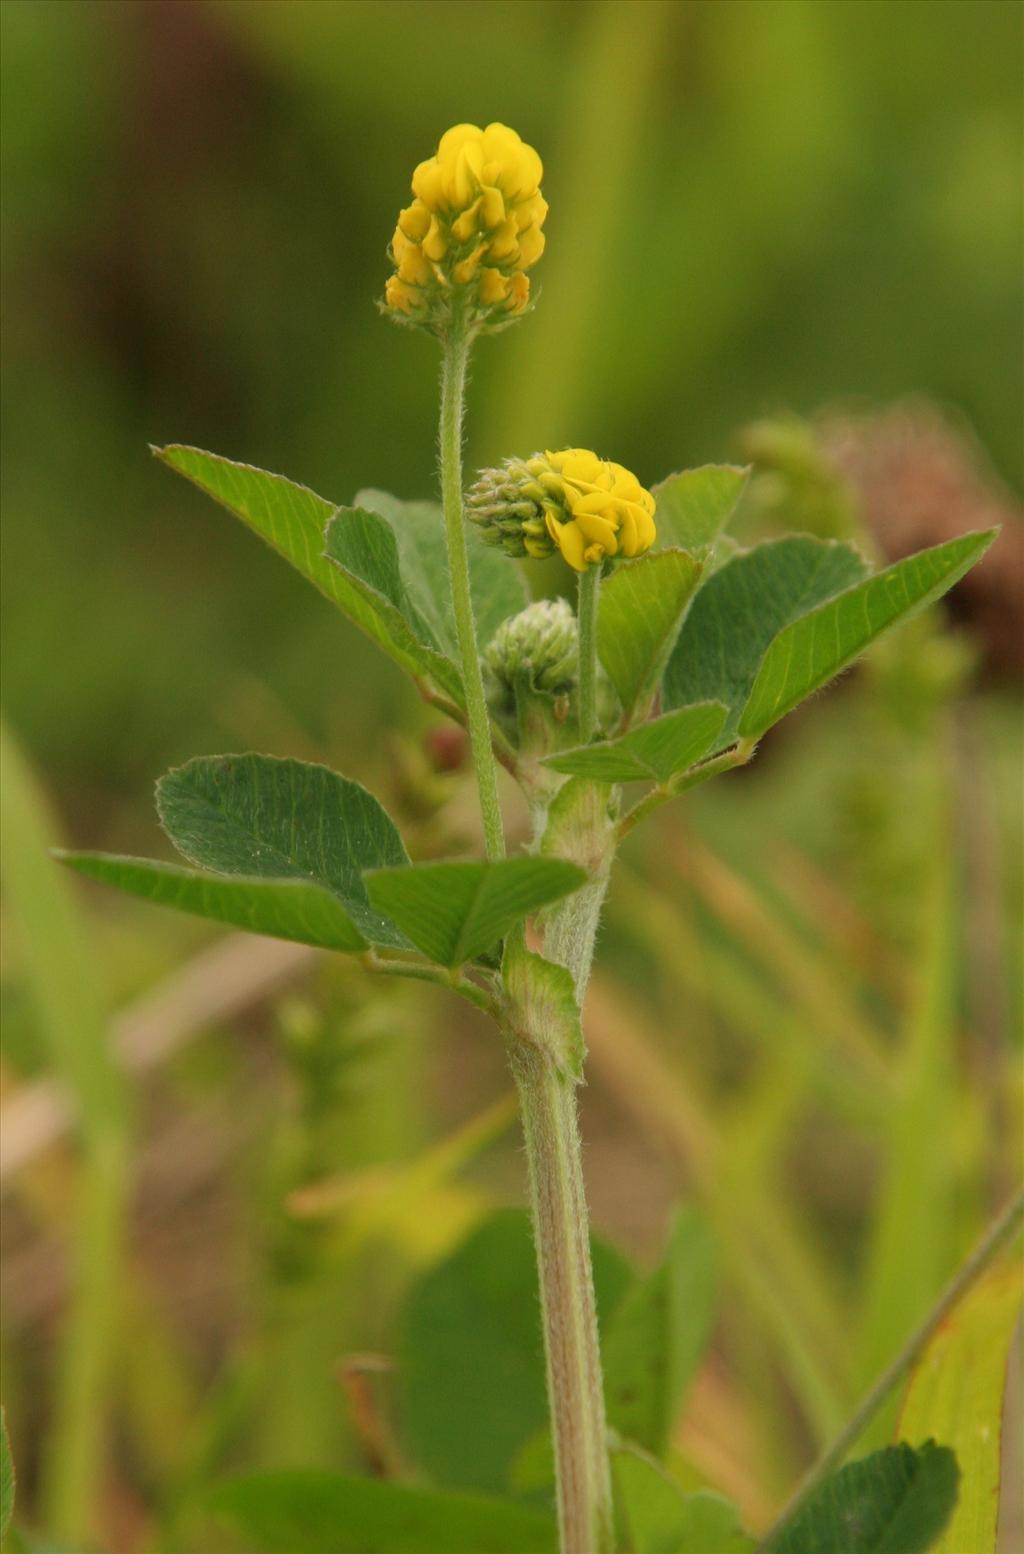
810	972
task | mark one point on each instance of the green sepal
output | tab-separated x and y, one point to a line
541	1007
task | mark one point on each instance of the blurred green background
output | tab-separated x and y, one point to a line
756	206
759	204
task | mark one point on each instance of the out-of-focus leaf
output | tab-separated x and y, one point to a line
282	909
454	912
257	816
471	1354
956	1395
309	1512
896	1501
654	752
655	1342
639	612
739	610
663	1519
693	508
809	651
294	520
496	585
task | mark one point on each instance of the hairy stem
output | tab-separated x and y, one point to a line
996	1236
586	617
453	389
568	1310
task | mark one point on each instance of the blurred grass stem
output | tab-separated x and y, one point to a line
998	1234
61	977
454	362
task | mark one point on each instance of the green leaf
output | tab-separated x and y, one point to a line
956	1393
543	1007
260	817
293	520
662	1519
496	584
741	607
811	650
472	1392
654	752
282	909
454	912
640	609
297	1511
896	1501
694	507
6	1477
655	1343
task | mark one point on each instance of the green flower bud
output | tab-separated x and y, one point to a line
536	652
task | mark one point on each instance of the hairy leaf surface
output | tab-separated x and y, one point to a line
282	909
257	816
640	610
293	520
692	508
812	649
896	1501
454	912
741	608
495	583
655	751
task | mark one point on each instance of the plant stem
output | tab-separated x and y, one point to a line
569	1313
996	1236
586	618
455	358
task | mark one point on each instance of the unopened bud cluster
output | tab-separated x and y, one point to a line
472	231
588	508
540	645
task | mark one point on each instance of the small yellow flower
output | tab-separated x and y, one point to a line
590	509
472	231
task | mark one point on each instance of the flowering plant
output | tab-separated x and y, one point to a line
683	650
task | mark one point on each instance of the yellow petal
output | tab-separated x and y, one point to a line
464	227
493	208
414	267
427	184
518	293
414	220
434	245
570	542
597	530
505	242
493	286
453	140
531	246
398	295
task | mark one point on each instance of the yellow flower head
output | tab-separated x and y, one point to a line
472	231
589	508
